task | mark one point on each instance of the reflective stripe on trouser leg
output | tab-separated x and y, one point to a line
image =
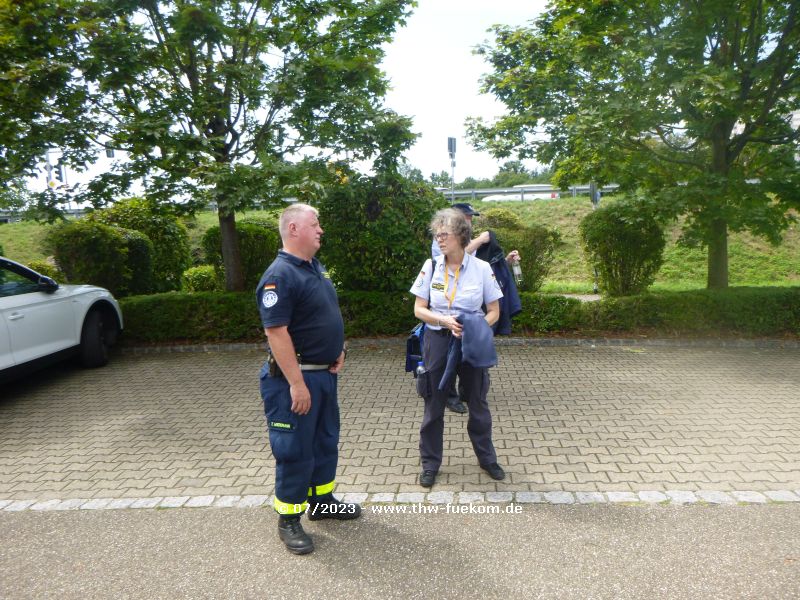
286	508
321	490
305	455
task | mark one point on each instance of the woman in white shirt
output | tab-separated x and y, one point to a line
456	283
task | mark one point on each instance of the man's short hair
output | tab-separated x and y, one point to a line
454	220
292	212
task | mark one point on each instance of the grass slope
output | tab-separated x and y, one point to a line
752	261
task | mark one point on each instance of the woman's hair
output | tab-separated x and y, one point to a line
454	221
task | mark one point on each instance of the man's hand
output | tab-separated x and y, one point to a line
337	366
301	398
512	257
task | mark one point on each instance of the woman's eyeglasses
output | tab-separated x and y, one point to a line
440	237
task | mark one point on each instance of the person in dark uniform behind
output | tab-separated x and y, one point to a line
449	290
301	317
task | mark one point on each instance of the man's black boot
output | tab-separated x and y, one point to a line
291	533
328	507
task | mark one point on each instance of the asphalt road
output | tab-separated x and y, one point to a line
564	552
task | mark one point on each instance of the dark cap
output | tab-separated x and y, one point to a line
466	209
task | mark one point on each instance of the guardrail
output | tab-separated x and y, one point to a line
524	192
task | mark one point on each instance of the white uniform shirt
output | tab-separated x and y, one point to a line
475	287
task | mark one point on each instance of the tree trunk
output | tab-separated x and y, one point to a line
718	255
718	231
231	259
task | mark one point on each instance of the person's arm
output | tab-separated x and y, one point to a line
479	241
280	343
492	312
337	366
425	314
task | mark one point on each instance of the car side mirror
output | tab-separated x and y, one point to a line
47	284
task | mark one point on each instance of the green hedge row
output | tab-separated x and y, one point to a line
233	317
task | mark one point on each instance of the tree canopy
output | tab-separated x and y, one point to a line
688	102
209	99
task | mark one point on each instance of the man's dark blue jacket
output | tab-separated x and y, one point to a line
510	304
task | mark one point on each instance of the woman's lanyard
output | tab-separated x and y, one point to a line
455	285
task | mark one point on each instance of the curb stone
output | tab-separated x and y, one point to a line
553	498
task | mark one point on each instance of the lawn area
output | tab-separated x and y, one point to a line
753	262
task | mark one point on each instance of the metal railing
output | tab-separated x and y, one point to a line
525	192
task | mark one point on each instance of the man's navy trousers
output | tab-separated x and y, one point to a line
305	447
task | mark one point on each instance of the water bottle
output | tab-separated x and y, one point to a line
423	385
517	272
420	370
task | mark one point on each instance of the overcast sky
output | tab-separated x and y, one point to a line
436	78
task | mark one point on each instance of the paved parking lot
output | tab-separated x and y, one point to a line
566	419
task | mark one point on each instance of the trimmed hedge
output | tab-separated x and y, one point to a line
233	317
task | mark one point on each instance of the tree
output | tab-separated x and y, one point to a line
440	179
511	173
209	99
690	101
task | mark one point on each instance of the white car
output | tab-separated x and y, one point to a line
42	322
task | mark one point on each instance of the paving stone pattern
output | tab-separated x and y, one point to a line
571	424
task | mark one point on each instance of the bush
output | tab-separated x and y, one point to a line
2	252
259	242
537	247
497	218
170	239
48	269
200	279
90	252
376	231
139	263
112	257
624	243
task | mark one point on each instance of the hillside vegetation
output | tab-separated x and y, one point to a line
753	261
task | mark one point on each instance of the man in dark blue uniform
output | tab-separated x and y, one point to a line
301	317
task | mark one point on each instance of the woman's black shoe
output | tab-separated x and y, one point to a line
495	471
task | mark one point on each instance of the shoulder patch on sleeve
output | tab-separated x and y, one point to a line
269	299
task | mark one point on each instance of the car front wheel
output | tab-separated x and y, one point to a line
94	340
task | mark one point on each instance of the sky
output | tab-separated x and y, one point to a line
435	78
